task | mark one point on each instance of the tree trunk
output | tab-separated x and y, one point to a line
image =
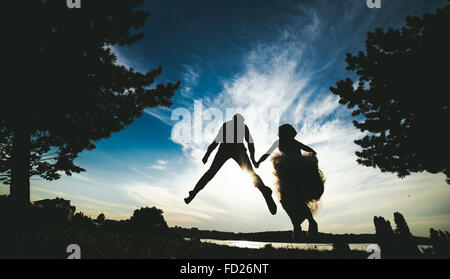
20	168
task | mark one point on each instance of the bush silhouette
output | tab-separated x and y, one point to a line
100	219
405	240
385	237
441	243
148	219
398	243
82	221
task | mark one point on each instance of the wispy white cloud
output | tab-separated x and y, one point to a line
161	113
185	96
160	165
191	75
81	177
157	167
77	176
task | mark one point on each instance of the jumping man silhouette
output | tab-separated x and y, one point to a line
231	139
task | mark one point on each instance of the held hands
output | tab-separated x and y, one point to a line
256	164
262	159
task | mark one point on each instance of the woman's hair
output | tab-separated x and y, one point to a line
287	131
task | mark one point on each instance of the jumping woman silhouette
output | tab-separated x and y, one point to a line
300	183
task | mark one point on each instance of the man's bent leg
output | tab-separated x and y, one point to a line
217	163
244	162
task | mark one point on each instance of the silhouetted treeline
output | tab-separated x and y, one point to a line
48	230
47	236
48	227
143	220
401	96
400	243
52	213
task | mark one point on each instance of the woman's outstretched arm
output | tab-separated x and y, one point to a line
267	154
306	148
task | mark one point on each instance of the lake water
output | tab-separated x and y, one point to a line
258	245
315	246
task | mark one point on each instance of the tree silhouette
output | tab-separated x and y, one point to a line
401	100
82	221
406	242
441	243
401	228
385	236
148	219
100	218
68	90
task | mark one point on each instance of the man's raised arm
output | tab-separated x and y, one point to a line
211	148
219	138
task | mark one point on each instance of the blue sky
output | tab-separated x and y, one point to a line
258	57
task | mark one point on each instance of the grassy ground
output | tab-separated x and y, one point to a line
46	233
52	243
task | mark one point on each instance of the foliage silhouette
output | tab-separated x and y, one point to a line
401	97
407	244
148	219
385	236
398	243
401	225
100	219
75	94
82	221
441	243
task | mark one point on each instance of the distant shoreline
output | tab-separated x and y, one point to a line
285	237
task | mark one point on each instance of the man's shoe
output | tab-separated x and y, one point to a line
190	198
